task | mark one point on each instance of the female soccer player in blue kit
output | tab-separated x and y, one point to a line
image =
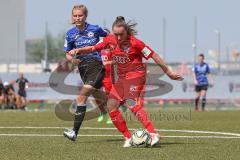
200	72
90	66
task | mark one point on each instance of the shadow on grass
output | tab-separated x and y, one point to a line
161	145
102	140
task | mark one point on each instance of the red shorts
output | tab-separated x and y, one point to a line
129	87
107	84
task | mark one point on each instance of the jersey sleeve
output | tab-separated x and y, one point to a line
68	45
208	71
101	44
145	50
101	32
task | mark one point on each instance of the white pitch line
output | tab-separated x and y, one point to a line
26	127
201	137
160	130
55	135
207	132
58	135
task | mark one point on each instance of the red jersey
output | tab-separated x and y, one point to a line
107	83
126	55
127	67
106	59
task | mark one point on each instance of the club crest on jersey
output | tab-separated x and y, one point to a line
90	34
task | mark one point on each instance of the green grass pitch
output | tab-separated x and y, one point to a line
48	143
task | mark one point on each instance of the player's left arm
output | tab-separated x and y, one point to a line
149	53
26	86
83	50
171	74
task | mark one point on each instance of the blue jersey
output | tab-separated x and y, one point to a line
201	71
87	37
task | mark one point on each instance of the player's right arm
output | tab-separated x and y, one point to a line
194	78
68	46
88	49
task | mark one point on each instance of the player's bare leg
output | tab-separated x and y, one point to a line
84	93
24	103
101	100
197	100
11	100
18	102
1	101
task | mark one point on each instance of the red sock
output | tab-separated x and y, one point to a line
119	123
143	118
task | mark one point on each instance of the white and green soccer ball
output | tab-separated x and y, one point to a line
140	138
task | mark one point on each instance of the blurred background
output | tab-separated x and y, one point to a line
32	39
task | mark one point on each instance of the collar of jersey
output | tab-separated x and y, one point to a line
201	64
85	28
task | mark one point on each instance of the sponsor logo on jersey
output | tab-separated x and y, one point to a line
86	42
120	59
77	36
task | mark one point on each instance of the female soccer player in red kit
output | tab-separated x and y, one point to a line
126	52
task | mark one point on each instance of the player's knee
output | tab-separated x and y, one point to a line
197	98
112	105
81	100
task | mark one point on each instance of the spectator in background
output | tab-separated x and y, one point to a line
9	96
201	71
1	93
22	85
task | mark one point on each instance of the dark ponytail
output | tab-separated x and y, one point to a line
120	18
129	26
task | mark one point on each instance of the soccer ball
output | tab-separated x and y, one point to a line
140	138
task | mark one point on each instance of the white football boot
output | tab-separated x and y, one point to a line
70	134
127	143
155	139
